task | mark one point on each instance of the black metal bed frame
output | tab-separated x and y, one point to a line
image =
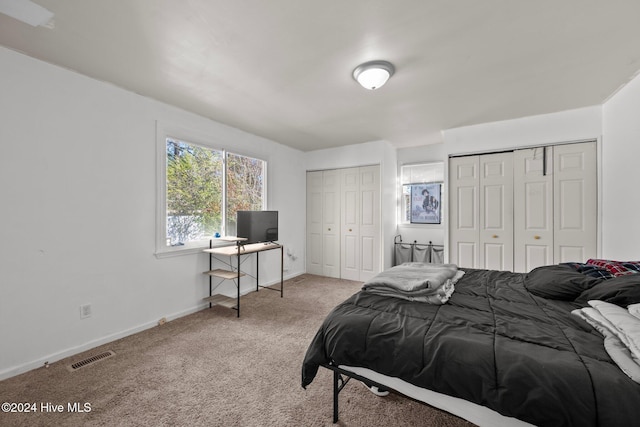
339	382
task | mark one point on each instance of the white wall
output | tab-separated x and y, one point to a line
78	212
565	126
621	169
371	153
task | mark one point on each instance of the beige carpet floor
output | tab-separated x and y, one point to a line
213	369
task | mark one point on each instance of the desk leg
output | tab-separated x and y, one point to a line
257	271
238	301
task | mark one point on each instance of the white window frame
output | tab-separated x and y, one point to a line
193	136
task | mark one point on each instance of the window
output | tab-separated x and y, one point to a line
245	187
415	207
204	188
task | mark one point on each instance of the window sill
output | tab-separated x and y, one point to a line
173	251
420	225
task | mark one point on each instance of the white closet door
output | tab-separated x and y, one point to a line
496	211
314	222
350	218
331	223
369	222
575	200
533	208
464	182
524	216
323	223
343	223
360	222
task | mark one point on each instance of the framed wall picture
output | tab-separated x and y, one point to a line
425	203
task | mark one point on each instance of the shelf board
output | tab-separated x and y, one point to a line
222	300
224	274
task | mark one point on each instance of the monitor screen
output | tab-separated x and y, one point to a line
258	226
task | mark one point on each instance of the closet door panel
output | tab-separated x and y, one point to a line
533	208
464	182
535	256
367	264
331	224
350	214
494	256
572	253
314	223
466	214
496	211
350	258
575	200
467	253
369	222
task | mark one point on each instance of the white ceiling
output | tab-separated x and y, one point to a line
281	69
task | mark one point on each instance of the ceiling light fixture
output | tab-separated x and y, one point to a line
373	74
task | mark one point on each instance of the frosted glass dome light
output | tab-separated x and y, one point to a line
372	75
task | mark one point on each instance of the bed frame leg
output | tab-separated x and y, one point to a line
338	384
336	390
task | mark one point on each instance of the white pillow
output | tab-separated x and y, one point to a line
627	326
613	341
599	322
634	309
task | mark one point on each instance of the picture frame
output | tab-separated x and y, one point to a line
426	203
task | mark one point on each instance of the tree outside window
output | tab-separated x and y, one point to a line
245	187
196	190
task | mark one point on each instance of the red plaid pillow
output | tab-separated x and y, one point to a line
617	268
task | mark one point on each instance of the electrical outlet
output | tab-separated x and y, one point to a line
85	311
162	321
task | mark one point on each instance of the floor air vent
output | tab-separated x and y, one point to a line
90	360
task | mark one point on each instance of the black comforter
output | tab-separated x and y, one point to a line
494	343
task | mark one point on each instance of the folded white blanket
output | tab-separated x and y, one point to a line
430	283
413	276
621	331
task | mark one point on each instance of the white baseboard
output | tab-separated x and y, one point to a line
54	357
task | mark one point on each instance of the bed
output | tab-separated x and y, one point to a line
501	348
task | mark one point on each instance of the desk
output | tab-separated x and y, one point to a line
238	250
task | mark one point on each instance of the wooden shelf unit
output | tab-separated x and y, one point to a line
222	300
238	250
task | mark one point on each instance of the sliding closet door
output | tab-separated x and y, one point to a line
343	223
314	222
350	214
323	223
369	238
360	222
533	208
331	223
481	211
575	200
464	182
496	211
524	209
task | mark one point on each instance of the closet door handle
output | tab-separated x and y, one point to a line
350	230
495	236
328	229
536	237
